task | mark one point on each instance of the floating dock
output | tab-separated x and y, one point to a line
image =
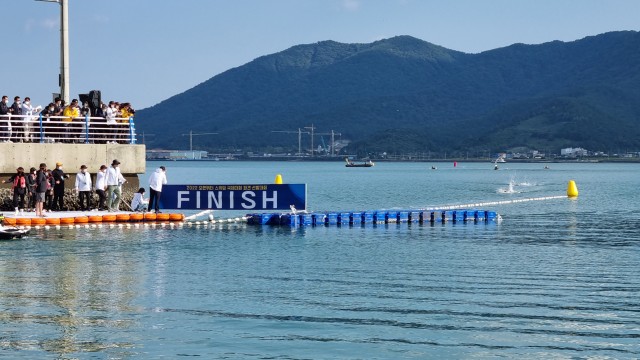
87	217
344	218
373	217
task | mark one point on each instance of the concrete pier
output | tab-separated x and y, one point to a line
27	155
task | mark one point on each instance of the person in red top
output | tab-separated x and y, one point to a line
19	181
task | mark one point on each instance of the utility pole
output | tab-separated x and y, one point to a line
311	128
333	140
299	132
63	77
191	135
143	135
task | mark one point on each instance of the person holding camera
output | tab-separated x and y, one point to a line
58	187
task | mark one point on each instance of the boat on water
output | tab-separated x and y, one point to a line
11	233
350	163
500	159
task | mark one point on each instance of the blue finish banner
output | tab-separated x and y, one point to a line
234	197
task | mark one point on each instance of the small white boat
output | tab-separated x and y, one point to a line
11	233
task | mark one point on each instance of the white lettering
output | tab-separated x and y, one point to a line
182	198
213	200
197	199
249	202
273	200
230	199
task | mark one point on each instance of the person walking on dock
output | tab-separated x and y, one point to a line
58	187
113	179
101	187
83	187
157	179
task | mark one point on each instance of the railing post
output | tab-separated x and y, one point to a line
86	129
41	130
132	131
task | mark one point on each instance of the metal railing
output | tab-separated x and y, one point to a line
64	129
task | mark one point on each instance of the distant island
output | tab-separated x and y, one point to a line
404	96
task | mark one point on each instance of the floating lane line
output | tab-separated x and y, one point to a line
501	202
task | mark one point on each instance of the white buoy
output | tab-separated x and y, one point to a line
47	227
57	227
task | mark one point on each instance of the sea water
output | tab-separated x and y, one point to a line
556	279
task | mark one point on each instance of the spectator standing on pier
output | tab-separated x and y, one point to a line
19	181
71	112
31	189
101	186
48	128
110	115
83	187
17	120
157	179
113	179
28	111
126	113
5	119
58	188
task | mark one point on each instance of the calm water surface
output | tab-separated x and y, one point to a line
557	279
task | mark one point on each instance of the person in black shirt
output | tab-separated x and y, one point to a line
42	183
58	187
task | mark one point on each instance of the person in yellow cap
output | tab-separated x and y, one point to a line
58	187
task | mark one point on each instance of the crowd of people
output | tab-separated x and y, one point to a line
42	189
20	121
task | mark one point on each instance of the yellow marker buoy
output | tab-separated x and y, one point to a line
278	179
572	189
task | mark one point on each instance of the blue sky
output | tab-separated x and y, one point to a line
144	51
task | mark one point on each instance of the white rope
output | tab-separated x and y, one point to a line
502	202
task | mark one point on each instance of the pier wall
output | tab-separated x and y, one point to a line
72	156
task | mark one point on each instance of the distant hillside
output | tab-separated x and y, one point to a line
404	94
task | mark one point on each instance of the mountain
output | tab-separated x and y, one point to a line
406	95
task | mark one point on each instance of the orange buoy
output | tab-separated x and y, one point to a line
81	219
67	220
136	217
95	218
150	217
10	221
122	217
176	217
108	218
53	221
38	221
23	221
162	217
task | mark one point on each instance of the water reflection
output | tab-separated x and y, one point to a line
70	297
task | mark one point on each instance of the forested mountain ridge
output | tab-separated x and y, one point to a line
403	94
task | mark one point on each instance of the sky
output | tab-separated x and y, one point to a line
145	51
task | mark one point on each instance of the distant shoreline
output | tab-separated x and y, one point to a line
513	161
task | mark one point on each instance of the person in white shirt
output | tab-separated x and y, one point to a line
28	111
139	203
113	179
111	114
101	186
157	179
83	187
